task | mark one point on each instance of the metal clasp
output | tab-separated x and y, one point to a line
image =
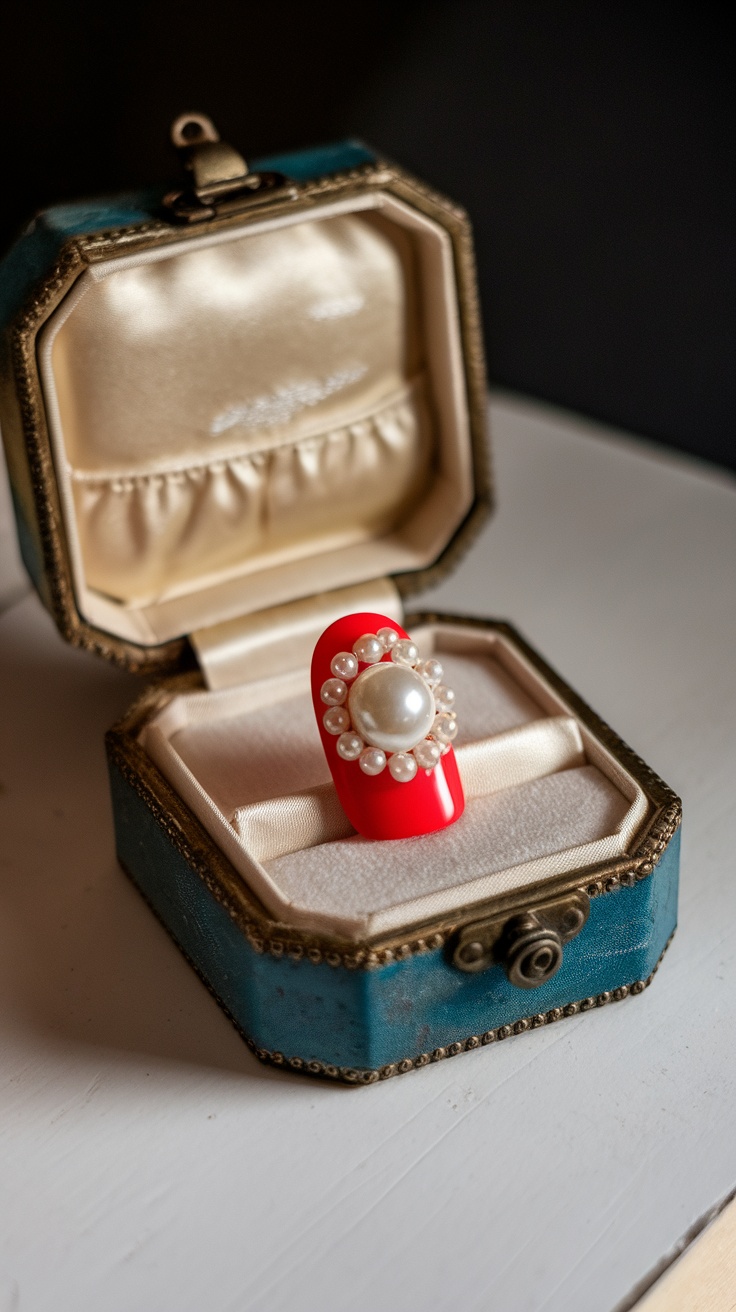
528	945
218	178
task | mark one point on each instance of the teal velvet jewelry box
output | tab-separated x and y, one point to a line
232	414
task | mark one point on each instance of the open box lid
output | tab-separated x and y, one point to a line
217	404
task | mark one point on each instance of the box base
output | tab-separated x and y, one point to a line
359	1025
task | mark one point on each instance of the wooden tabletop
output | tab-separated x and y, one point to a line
149	1164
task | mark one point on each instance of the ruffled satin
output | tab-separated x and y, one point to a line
144	536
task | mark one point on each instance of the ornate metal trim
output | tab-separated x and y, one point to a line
362	1075
353	1075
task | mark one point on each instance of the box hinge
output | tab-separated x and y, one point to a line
281	639
218	180
529	945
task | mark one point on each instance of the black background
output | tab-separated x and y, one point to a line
593	145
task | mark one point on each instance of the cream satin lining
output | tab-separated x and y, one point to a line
145	536
250	416
288	824
282	638
503	841
219	348
544	796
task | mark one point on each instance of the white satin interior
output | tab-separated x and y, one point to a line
543	795
249	417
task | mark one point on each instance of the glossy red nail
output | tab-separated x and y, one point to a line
387	736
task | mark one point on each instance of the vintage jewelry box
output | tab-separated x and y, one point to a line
231	415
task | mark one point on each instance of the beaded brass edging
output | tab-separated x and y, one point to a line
353	1075
360	1075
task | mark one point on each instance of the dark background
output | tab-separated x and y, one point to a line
593	144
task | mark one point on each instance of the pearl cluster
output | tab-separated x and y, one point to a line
397	714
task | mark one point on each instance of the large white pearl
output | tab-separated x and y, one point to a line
402	767
391	707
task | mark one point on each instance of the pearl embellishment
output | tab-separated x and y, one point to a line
373	761
402	767
404	652
336	720
444	699
431	671
334	692
388	638
344	665
349	746
395	713
391	707
427	754
444	728
369	649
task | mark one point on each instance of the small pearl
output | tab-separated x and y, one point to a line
405	653
336	720
402	767
431	671
444	699
373	760
344	665
427	754
444	728
349	746
369	649
334	692
391	707
388	637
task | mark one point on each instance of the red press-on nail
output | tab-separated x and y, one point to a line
378	806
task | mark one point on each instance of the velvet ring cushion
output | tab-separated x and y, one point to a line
542	795
387	724
228	404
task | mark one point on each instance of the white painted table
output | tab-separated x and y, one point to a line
149	1164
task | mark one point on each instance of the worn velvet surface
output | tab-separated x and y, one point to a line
366	1019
